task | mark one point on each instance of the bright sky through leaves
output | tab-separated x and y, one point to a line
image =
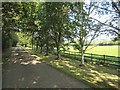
103	17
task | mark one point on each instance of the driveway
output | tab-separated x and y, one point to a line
25	71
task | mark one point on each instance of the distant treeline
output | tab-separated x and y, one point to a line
109	43
105	43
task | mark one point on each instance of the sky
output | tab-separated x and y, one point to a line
102	18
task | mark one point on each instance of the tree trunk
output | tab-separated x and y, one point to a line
47	46
47	50
32	41
57	41
82	58
82	55
36	46
58	52
41	49
32	45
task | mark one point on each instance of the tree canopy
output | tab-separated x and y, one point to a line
49	25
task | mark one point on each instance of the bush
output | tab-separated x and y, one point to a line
14	38
8	40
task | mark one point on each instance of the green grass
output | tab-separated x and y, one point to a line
94	75
101	50
104	50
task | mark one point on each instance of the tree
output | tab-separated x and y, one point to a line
85	28
116	6
56	19
110	8
10	14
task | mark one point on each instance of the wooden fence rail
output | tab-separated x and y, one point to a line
103	59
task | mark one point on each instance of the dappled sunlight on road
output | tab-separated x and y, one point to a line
16	54
28	48
22	57
34	62
34	55
26	70
37	57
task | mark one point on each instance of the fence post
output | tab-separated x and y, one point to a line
104	58
91	56
74	54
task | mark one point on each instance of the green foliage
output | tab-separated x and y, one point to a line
77	46
9	40
24	38
14	38
9	18
6	55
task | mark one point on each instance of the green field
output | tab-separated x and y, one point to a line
101	50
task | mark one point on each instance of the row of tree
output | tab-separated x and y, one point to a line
51	24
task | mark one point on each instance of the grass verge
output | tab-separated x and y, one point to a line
94	75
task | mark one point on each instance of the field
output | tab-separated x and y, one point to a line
101	50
